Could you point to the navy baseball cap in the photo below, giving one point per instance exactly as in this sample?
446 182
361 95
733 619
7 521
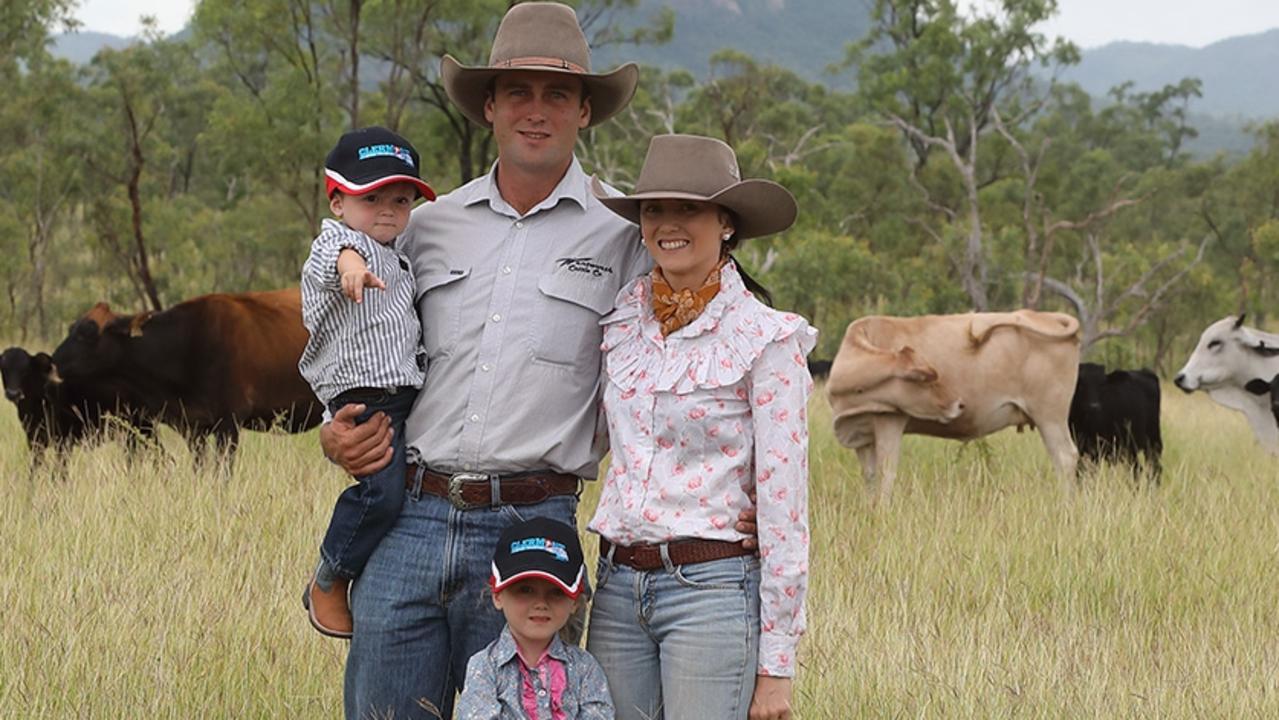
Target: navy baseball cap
539 548
370 157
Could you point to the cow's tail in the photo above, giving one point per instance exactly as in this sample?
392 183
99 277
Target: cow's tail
1052 325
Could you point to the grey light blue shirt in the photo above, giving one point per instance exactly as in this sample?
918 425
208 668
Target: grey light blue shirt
494 684
510 309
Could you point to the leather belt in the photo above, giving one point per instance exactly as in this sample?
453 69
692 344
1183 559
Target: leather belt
469 490
681 552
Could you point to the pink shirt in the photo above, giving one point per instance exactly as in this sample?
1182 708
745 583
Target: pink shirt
696 421
551 678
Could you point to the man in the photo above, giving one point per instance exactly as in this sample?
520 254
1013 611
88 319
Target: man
514 271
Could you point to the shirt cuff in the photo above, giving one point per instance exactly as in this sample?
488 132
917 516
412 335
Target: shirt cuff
777 654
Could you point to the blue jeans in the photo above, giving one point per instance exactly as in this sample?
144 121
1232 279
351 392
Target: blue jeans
679 643
422 607
366 510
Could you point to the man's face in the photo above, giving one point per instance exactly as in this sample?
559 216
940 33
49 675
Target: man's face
382 214
536 116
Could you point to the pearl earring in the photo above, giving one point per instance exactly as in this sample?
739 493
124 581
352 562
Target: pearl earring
725 237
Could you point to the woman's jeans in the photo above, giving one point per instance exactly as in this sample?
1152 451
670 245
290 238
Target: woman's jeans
678 643
366 510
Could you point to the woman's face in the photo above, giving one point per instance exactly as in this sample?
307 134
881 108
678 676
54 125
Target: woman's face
684 237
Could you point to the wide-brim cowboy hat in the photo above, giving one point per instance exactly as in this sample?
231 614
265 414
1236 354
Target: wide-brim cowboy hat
541 36
691 167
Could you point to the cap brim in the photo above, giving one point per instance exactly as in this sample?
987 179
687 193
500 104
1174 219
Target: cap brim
468 87
761 207
335 181
501 583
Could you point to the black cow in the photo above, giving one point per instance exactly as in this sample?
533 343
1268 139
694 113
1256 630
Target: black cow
55 414
1257 386
207 366
819 368
1115 416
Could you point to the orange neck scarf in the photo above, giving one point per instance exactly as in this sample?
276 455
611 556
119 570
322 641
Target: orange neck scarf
676 308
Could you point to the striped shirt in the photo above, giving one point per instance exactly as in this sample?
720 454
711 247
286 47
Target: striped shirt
374 343
512 337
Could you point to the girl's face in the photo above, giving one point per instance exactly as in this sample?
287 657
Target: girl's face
685 238
535 609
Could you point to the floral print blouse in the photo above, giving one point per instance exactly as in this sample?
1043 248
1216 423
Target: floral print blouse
699 419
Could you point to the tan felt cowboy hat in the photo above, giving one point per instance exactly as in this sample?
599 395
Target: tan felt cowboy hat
691 167
539 36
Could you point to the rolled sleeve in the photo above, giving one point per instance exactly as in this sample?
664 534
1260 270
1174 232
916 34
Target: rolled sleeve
321 266
780 386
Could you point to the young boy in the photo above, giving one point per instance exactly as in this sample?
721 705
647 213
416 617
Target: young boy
364 346
528 672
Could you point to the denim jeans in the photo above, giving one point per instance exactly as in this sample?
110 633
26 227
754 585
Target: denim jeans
679 643
365 511
423 606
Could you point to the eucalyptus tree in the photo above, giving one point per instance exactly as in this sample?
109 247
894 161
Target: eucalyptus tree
940 76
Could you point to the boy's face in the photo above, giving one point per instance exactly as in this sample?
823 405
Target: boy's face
382 214
535 609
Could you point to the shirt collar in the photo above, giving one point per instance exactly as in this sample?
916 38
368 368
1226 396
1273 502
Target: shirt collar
506 650
571 187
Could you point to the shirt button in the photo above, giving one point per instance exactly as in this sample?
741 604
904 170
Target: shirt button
506 269
519 224
541 692
475 418
496 317
486 367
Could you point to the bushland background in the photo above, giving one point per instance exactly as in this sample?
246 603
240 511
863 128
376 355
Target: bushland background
944 159
943 162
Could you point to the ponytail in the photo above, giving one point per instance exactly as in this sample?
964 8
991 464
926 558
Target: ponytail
751 284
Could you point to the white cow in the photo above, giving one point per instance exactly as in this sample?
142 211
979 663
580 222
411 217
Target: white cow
1227 359
1016 368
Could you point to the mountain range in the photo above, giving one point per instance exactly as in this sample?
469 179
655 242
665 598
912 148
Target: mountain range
1240 84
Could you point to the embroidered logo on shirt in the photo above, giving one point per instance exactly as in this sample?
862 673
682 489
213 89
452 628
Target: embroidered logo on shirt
544 544
584 265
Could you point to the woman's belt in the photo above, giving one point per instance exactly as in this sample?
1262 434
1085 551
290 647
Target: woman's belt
469 490
680 552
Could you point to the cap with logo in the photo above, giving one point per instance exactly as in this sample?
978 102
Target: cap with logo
539 548
368 158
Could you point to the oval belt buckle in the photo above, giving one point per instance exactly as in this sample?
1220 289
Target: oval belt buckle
456 481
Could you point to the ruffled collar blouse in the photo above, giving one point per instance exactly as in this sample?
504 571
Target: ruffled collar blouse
699 419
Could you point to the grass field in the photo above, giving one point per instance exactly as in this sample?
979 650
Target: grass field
152 591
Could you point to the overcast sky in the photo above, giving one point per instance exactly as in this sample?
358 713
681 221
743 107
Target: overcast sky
1087 22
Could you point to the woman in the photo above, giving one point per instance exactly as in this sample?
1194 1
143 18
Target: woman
706 398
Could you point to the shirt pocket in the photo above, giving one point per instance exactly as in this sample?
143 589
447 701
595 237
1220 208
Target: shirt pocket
440 305
565 330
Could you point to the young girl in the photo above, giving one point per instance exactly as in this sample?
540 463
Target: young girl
706 398
528 673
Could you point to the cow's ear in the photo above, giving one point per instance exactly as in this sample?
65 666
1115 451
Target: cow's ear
1264 350
1239 322
135 325
1257 386
42 361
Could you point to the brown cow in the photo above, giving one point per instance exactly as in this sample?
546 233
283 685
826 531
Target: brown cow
1014 368
206 366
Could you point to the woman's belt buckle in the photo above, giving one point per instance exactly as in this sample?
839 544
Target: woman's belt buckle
457 482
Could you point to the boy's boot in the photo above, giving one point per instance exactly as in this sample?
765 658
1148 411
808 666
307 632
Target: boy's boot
326 602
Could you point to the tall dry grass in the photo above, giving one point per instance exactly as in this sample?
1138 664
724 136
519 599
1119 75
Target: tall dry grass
149 590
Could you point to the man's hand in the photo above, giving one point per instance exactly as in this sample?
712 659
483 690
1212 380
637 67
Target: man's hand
772 698
360 449
746 525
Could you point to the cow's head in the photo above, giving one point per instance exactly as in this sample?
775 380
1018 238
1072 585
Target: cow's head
867 379
1228 353
25 375
95 342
